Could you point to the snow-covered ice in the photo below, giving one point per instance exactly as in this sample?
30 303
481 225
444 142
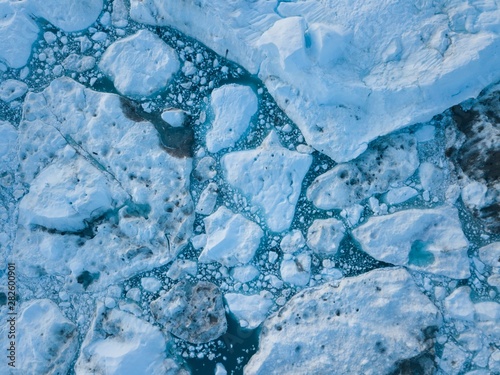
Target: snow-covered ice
272 179
11 89
319 329
319 62
430 240
140 64
120 343
324 236
296 270
47 340
249 310
231 238
233 107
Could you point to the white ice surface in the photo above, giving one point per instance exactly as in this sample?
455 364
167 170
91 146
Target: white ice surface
389 163
118 343
271 177
11 89
320 63
324 236
429 240
296 270
140 64
46 340
18 30
66 195
249 310
320 328
233 107
231 238
75 126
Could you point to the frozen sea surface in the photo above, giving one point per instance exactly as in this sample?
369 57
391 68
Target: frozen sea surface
218 187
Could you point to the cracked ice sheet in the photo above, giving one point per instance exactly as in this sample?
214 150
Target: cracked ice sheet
428 57
148 188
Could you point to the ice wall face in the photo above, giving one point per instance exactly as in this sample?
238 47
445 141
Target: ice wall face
322 65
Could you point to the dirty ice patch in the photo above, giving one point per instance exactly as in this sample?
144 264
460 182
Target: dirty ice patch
429 240
233 107
271 177
140 64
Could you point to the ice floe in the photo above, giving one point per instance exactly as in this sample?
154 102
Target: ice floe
272 179
140 64
429 240
233 107
231 238
319 328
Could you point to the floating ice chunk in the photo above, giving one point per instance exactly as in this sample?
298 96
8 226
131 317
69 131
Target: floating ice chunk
231 238
333 81
182 267
292 241
17 32
474 194
389 161
150 185
296 270
352 214
46 340
205 169
65 196
324 236
193 312
78 63
458 304
272 179
244 274
250 311
11 89
73 16
151 284
140 64
318 330
233 107
208 199
220 369
429 240
490 254
400 195
174 116
118 343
